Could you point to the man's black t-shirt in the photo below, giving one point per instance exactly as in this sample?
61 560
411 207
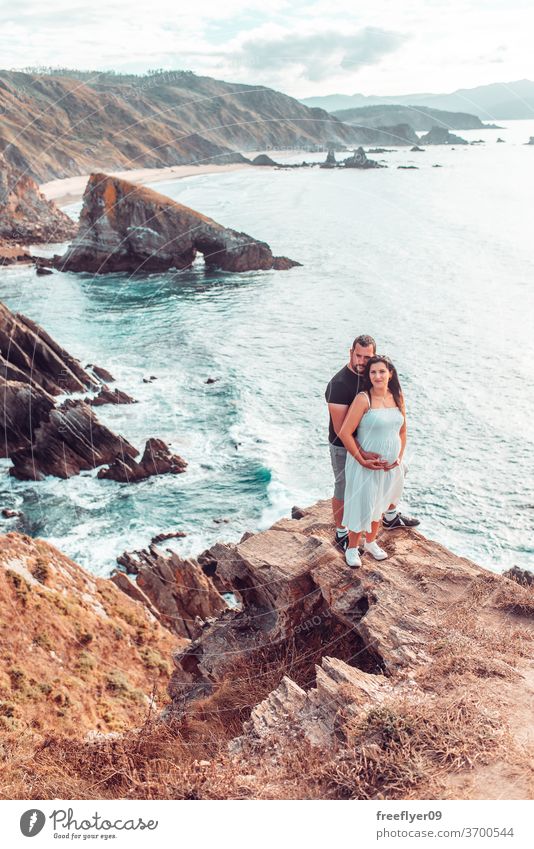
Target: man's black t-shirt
342 389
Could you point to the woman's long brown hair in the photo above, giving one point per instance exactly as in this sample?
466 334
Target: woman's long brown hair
393 384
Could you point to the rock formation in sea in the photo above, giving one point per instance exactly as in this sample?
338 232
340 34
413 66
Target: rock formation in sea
441 135
359 160
111 396
124 227
43 438
28 354
330 161
156 460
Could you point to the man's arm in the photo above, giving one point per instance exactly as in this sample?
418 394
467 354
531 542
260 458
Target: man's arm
338 413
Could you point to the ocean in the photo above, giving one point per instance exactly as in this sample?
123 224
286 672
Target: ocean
435 263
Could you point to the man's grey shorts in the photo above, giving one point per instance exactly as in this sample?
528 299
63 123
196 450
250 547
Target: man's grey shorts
338 455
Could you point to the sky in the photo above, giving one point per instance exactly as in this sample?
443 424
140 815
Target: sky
302 48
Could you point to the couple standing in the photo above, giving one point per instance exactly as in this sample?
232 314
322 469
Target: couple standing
367 436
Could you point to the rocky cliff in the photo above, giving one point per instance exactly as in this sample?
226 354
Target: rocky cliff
42 437
124 227
412 639
411 677
27 216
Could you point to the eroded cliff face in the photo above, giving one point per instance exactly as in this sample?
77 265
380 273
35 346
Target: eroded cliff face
124 227
76 654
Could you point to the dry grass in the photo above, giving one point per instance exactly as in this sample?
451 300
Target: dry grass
399 751
403 751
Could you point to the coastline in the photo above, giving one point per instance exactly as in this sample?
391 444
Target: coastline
68 190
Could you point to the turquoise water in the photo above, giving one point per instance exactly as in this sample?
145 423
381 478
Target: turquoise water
437 264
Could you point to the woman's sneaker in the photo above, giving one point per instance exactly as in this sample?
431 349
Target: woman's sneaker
352 558
374 550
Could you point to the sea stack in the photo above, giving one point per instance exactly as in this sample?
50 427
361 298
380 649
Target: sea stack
359 160
124 227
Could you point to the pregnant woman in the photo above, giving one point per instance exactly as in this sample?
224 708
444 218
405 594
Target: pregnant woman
377 419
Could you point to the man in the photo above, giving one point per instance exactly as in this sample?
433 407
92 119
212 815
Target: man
340 393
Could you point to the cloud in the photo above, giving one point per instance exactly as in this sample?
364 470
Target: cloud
319 55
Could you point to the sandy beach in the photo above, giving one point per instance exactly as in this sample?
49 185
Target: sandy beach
70 189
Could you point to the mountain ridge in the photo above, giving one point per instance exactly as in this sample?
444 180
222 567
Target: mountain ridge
510 100
56 126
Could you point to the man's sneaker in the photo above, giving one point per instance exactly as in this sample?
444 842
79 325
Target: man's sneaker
374 550
400 521
352 558
342 541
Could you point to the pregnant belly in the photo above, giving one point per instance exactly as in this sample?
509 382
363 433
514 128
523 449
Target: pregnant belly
388 449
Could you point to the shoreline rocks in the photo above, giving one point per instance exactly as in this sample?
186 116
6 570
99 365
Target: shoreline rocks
359 160
407 678
124 227
293 584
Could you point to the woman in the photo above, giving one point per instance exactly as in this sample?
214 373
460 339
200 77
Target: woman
377 417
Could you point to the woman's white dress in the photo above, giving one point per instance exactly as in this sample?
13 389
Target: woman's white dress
368 493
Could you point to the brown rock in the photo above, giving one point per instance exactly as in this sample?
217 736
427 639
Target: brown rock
68 439
156 460
12 253
359 160
124 227
77 654
178 589
291 710
111 396
42 439
163 537
7 513
30 355
102 373
25 214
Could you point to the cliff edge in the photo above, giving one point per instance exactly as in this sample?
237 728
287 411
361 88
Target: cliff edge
409 678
